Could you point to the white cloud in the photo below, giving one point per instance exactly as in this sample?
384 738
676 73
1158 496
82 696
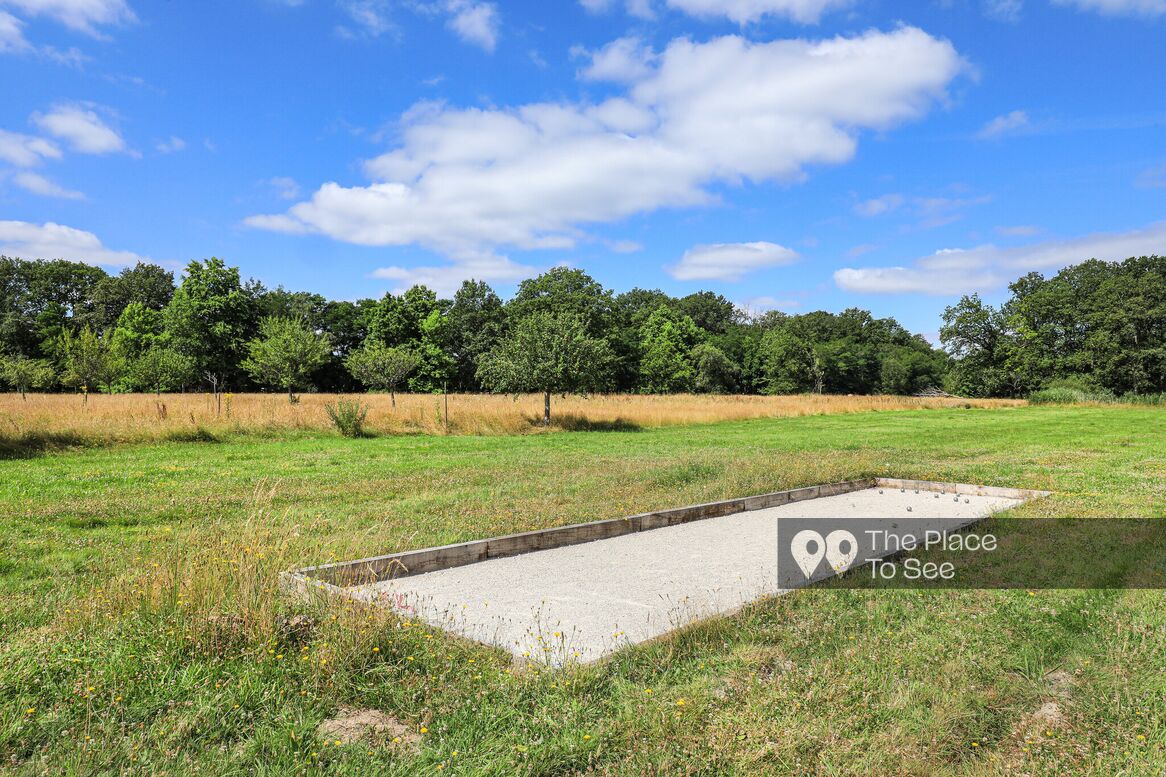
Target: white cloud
285 187
85 16
879 205
940 211
729 261
1004 125
81 128
623 61
171 145
38 184
56 241
26 150
12 40
468 182
748 11
955 271
445 280
1119 7
625 246
475 23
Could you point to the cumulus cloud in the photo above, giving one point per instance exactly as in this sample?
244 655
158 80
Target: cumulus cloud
38 184
1000 126
748 11
468 182
623 61
12 40
26 150
84 16
957 271
475 23
447 279
56 241
729 261
1119 7
80 127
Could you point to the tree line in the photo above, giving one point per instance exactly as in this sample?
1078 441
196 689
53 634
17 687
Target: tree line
66 324
1097 327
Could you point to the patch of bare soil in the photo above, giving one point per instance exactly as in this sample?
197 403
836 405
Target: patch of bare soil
352 725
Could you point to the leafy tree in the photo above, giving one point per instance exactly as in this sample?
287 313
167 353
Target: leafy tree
162 369
476 322
147 285
397 320
88 359
138 329
716 373
547 354
25 374
382 367
211 318
435 365
564 292
629 312
285 354
789 363
667 340
710 311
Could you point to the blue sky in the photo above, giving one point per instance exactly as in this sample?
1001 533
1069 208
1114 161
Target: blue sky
797 154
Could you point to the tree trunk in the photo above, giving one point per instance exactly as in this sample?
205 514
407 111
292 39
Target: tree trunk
23 398
393 397
290 397
546 408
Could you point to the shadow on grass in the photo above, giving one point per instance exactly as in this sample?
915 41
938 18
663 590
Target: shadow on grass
30 445
571 422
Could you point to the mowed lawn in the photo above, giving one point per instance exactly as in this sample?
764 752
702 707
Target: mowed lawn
141 630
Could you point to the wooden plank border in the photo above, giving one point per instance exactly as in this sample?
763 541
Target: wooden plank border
333 578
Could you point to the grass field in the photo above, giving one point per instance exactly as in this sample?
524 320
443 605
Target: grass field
54 421
140 631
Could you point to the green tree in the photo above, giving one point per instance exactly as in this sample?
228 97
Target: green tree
148 285
382 367
716 373
285 354
88 359
211 318
550 355
476 323
162 369
25 374
435 365
789 363
138 329
564 292
667 339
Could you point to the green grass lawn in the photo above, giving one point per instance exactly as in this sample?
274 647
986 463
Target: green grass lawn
139 625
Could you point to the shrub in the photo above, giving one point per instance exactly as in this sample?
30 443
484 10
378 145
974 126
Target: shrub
347 416
1057 396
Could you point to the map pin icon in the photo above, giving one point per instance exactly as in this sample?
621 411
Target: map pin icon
835 556
799 548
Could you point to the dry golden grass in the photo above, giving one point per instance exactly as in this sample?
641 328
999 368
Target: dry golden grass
66 419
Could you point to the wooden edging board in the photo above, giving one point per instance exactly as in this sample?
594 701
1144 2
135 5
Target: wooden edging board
340 575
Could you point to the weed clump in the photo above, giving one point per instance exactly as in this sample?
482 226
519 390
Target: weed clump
347 416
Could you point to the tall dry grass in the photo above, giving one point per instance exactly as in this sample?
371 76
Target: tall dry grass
64 419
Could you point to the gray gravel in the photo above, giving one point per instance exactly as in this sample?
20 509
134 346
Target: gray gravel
582 602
